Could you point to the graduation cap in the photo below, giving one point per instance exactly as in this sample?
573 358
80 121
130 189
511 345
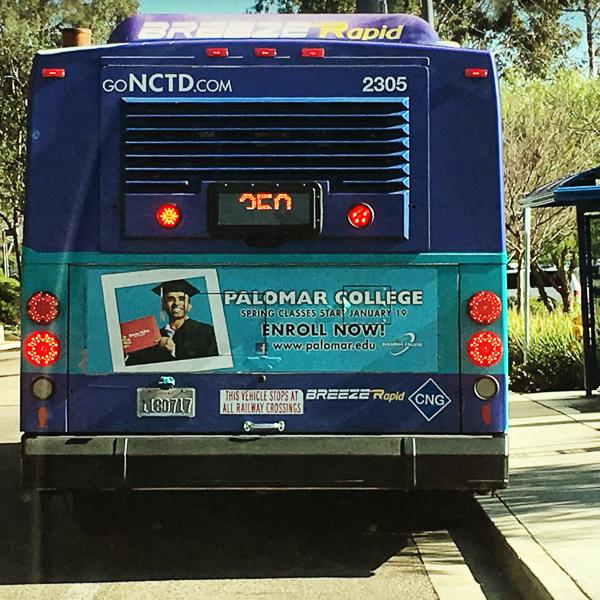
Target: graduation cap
177 285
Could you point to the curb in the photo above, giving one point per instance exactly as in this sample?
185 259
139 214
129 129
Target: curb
526 563
8 346
450 577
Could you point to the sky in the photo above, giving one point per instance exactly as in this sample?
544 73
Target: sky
240 6
195 6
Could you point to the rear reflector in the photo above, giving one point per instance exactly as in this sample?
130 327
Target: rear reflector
313 52
476 73
53 73
265 52
41 348
217 52
486 414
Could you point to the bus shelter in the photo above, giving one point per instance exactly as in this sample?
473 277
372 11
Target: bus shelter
581 191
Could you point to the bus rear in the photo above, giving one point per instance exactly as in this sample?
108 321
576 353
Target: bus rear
264 252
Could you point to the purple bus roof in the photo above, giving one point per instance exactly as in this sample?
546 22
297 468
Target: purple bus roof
389 28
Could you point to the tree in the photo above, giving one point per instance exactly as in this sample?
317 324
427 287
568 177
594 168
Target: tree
590 9
529 34
548 134
25 27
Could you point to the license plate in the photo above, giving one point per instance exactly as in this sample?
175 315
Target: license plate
156 402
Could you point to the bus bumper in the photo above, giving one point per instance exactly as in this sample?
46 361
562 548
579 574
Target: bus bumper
402 462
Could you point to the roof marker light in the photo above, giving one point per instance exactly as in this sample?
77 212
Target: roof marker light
313 52
265 52
476 73
360 216
168 215
53 73
217 52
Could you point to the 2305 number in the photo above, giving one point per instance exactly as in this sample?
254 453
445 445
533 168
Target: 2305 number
384 84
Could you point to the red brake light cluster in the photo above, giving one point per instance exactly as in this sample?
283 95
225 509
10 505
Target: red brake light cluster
360 216
168 215
484 307
42 308
485 348
42 348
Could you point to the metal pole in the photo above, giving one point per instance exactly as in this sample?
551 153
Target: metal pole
525 287
371 6
427 11
589 335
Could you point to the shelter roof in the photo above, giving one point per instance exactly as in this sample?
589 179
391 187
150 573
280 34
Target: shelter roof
582 190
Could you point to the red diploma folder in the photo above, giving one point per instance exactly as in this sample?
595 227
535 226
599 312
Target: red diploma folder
142 333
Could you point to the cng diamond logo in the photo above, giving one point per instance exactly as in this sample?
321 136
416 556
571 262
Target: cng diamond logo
430 400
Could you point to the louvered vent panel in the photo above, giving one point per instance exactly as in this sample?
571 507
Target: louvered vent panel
356 146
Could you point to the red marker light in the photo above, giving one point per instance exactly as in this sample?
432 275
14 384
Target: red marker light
42 308
41 348
217 52
360 216
484 307
53 73
476 73
265 52
313 52
485 348
168 215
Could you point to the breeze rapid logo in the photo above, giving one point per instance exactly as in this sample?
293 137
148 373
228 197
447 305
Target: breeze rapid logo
167 82
354 394
337 30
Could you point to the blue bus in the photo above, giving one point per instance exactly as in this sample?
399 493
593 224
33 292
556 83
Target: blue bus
264 252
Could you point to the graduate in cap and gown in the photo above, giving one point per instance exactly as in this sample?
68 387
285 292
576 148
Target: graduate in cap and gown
182 337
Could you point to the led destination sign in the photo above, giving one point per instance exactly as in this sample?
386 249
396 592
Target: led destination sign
286 209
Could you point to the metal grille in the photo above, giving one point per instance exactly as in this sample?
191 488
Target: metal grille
175 146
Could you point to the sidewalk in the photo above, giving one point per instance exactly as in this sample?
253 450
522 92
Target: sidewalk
549 517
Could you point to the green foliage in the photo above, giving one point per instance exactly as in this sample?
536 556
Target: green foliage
27 26
555 356
531 34
550 130
9 300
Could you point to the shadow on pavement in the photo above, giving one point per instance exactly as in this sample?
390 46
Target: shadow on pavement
193 535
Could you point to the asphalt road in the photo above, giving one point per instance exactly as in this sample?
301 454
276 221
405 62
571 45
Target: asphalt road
218 545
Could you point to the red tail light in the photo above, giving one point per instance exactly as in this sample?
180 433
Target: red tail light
484 307
42 308
360 216
168 215
485 348
41 348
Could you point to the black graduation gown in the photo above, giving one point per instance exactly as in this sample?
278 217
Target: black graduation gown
192 340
